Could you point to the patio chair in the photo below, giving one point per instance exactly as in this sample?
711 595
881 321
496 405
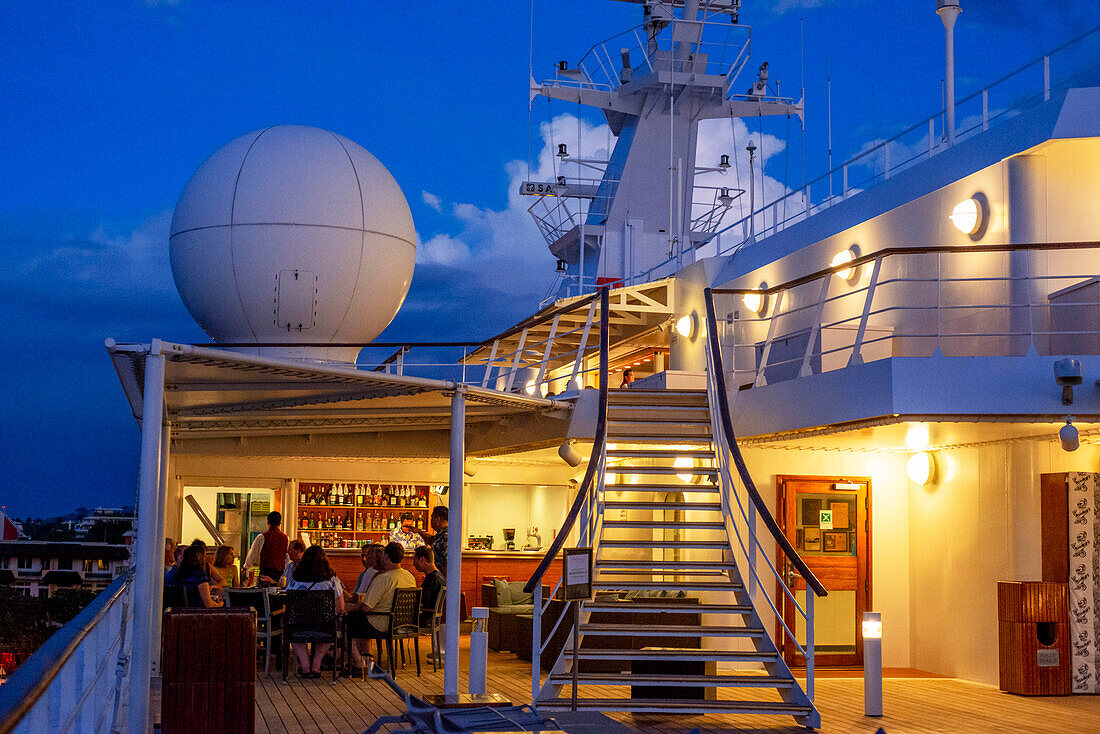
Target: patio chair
433 628
402 624
175 597
266 629
310 616
421 716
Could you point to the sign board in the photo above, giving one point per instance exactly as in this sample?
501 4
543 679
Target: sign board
577 573
825 521
540 188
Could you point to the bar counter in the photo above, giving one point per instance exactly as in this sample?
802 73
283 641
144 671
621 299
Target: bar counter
478 566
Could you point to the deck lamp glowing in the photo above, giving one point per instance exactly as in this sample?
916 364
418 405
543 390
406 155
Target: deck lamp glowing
921 467
686 325
967 216
872 664
841 258
757 303
685 462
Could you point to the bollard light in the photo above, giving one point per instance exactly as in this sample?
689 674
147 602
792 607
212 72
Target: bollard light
479 649
872 664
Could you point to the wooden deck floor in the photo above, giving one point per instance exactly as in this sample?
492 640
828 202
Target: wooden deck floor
913 706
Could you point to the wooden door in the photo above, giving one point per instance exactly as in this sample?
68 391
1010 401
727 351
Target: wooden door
828 521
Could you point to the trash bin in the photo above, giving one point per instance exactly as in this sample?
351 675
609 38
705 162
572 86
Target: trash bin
1033 622
208 671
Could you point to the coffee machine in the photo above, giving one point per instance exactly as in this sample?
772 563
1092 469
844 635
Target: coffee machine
509 538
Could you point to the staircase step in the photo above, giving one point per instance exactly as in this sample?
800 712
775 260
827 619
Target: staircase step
694 681
645 421
697 471
649 414
617 435
611 585
662 544
607 574
655 605
659 453
628 505
703 488
666 524
674 654
652 565
659 397
670 630
672 706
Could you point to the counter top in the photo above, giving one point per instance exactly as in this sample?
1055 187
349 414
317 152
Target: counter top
504 553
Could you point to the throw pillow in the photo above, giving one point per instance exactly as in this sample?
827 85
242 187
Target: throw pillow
518 595
504 594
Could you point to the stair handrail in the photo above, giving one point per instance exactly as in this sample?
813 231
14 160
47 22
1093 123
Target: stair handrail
719 378
594 459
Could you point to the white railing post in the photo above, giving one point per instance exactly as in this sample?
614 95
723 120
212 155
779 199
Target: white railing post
515 362
546 354
886 160
536 644
815 327
985 109
489 364
857 348
760 380
809 643
844 182
931 136
583 344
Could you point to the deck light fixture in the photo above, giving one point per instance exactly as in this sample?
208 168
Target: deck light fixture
686 326
724 162
757 303
1070 438
967 216
569 454
921 468
841 258
725 198
561 266
872 664
563 151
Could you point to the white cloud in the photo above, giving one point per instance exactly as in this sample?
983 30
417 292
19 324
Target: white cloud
443 250
432 200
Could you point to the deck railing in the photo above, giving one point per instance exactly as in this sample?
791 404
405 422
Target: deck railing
77 680
955 300
741 524
584 514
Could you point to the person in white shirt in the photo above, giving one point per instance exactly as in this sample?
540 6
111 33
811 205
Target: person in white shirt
371 622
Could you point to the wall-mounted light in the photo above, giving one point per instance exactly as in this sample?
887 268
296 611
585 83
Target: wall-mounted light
569 454
917 438
563 151
921 468
1071 440
843 257
685 462
724 162
686 326
756 302
968 216
469 467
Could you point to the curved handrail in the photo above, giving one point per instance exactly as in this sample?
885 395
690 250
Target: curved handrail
731 439
593 459
30 681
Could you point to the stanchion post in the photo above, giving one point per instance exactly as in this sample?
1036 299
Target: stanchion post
872 664
479 649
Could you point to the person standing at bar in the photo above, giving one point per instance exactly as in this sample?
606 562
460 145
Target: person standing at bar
438 539
406 534
269 549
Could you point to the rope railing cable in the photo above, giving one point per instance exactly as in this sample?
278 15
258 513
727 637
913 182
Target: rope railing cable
593 460
731 439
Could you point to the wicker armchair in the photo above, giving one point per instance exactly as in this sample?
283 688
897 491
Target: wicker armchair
311 617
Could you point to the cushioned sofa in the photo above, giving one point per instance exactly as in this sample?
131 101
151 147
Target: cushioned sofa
506 600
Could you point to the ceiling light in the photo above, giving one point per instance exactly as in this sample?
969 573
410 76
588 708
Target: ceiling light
967 216
921 467
1069 437
531 387
685 326
917 437
841 258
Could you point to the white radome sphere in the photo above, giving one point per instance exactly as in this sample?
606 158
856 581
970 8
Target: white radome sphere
293 235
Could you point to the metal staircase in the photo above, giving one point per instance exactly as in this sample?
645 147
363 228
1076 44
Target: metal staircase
675 622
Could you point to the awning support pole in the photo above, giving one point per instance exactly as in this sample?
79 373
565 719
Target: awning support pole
455 533
162 505
147 559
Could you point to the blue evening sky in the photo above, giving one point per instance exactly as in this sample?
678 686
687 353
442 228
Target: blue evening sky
109 107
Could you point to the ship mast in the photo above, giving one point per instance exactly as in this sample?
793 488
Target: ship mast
643 216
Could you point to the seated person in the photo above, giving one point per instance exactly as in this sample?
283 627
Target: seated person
224 571
313 573
370 556
424 562
193 576
373 620
294 551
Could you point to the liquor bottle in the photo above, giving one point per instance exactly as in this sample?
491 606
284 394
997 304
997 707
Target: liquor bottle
347 520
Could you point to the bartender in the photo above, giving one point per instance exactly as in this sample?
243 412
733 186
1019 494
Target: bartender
406 534
438 539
